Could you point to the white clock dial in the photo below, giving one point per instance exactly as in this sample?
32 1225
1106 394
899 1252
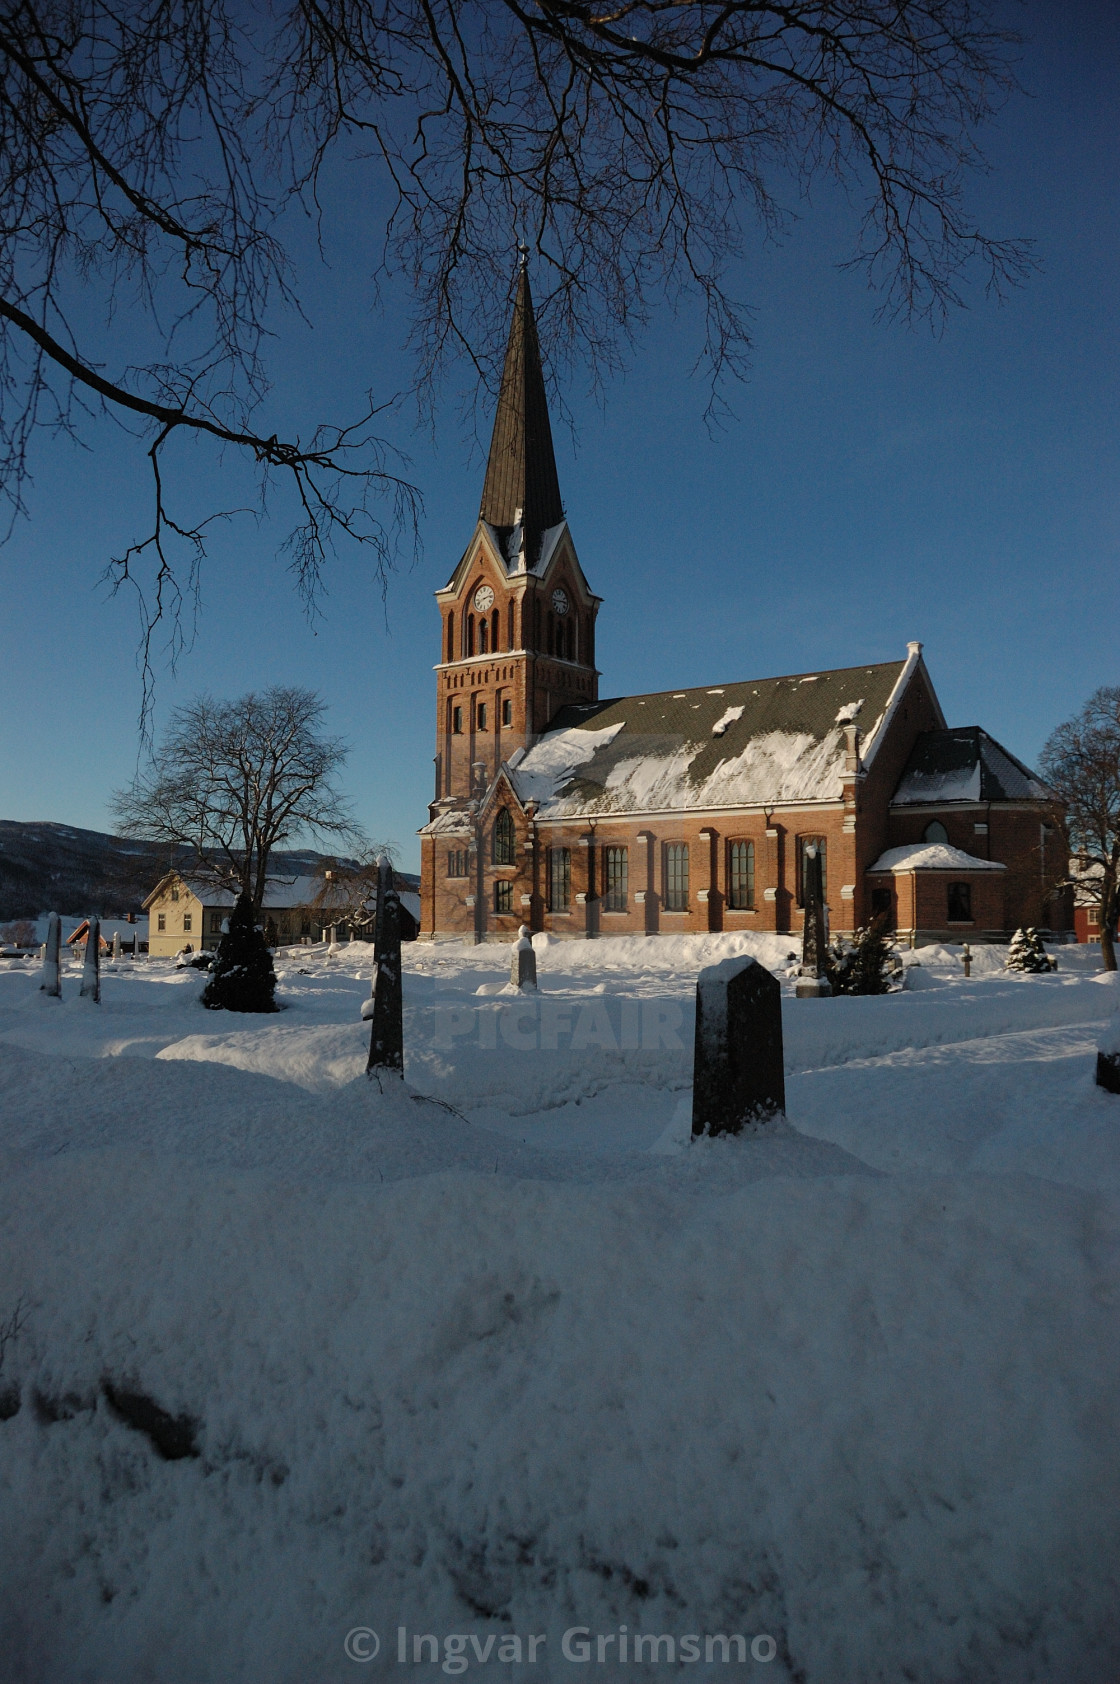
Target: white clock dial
560 601
483 598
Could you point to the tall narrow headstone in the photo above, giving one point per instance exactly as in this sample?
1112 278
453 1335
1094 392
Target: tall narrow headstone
812 978
52 958
116 945
91 970
738 1077
385 1008
523 960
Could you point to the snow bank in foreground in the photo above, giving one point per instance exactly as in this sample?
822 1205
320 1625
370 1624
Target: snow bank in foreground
873 1418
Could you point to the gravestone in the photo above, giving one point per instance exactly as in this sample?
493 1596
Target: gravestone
385 1007
1108 1058
812 978
91 970
52 958
116 945
738 1077
523 960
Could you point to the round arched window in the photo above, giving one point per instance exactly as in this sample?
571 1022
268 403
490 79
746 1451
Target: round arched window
935 832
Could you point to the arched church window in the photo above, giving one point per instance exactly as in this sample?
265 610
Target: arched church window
740 877
505 839
935 832
483 636
451 636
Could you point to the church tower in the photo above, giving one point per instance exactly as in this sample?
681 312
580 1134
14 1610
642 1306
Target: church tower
518 621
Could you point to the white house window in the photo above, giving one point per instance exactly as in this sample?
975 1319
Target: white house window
188 923
161 920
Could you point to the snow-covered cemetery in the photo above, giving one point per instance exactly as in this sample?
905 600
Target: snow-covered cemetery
500 1352
559 842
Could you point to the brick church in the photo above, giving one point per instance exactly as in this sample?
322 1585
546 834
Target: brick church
691 810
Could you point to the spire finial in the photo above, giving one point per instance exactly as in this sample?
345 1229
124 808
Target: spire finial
522 257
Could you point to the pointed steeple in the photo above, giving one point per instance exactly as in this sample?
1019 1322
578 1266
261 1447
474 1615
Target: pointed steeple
521 482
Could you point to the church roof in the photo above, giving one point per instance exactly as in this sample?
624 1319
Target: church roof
521 486
760 742
964 765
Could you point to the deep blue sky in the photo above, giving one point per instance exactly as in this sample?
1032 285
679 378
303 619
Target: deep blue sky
878 484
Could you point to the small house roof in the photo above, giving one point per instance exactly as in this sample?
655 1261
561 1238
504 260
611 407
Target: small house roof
932 856
280 893
965 764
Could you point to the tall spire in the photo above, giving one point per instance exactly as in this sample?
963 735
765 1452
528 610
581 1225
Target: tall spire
521 477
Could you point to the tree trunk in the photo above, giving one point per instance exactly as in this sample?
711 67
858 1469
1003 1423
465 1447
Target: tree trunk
1108 921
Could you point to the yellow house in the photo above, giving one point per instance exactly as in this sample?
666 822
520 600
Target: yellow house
187 914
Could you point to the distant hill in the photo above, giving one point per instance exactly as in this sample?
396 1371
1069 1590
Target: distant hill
57 868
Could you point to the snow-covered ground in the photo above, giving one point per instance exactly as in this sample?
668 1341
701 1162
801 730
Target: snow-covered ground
501 1354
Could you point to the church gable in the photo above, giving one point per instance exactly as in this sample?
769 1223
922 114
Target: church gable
763 742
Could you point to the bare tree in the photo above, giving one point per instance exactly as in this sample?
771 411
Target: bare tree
1082 761
148 154
232 781
346 890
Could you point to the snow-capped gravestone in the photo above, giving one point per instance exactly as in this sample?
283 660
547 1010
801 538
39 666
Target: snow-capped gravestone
738 1078
1108 1058
116 945
385 1007
242 978
91 969
523 960
812 978
51 984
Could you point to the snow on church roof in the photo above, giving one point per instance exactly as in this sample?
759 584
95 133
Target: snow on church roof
764 741
964 765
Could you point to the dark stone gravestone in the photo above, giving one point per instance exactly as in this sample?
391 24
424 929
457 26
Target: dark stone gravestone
385 1007
91 970
812 979
523 961
738 1079
52 958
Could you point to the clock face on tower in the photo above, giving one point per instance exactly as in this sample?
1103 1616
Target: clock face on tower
560 601
483 598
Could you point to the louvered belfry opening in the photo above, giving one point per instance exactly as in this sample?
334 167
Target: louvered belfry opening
521 480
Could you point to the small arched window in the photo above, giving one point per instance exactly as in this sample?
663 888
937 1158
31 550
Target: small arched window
935 832
483 636
451 636
505 838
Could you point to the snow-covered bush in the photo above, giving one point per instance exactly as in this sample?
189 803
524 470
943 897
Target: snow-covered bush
866 964
200 961
242 978
1026 953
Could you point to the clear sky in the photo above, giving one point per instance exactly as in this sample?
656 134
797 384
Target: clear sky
876 484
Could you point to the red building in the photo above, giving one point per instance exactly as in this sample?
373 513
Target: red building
691 810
